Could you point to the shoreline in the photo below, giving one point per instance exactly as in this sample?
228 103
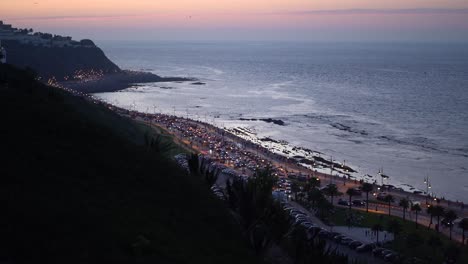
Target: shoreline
303 159
257 144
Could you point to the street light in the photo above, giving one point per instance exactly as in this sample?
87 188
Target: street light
428 186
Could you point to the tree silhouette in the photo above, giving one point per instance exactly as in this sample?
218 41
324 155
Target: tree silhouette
416 208
367 188
434 242
452 253
438 211
295 190
351 192
394 227
377 228
430 212
464 226
332 191
389 200
450 215
313 196
404 203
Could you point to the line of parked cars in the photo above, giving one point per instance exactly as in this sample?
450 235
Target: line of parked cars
299 217
218 192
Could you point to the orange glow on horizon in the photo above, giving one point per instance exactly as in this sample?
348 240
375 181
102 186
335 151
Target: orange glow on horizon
240 14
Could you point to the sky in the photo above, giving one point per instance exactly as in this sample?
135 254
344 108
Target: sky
234 20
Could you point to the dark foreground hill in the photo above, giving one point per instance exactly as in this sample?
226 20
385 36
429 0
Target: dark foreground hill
76 187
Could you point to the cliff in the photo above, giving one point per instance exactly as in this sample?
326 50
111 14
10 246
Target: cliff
62 63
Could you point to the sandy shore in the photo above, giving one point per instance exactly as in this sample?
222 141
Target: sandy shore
117 81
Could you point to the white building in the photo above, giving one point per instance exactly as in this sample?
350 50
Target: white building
3 54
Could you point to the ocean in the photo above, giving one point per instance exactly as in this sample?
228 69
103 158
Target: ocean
400 107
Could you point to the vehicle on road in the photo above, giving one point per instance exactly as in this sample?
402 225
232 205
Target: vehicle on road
365 247
359 203
343 202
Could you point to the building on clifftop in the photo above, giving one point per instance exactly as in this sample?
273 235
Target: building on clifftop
3 55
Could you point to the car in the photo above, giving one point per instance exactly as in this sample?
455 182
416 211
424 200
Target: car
385 252
377 251
357 191
343 202
354 244
322 233
381 196
446 222
359 203
338 238
392 257
300 221
345 241
365 247
307 224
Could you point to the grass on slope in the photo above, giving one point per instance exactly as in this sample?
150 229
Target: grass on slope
73 190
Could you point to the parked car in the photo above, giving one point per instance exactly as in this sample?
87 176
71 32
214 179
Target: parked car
378 251
365 247
346 241
338 238
354 244
343 202
385 252
392 257
323 233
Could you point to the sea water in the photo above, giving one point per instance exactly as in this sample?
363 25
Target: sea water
400 107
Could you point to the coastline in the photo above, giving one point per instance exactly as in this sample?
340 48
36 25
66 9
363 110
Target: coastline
118 81
302 159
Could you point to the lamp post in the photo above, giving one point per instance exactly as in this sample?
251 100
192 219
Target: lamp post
428 186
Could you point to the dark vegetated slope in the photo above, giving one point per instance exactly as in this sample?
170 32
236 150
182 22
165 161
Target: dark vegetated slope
58 62
75 191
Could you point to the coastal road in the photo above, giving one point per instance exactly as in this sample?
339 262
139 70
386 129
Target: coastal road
342 183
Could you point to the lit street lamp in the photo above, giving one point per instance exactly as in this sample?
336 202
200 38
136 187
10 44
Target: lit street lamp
428 186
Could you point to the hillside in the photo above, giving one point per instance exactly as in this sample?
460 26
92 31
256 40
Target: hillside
78 187
59 62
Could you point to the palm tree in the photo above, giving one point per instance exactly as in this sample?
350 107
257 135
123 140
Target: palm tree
332 191
464 226
313 196
295 189
416 208
430 211
450 215
389 200
377 228
350 192
394 227
438 211
312 183
367 188
404 203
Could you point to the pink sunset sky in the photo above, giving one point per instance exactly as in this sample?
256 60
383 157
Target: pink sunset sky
297 20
